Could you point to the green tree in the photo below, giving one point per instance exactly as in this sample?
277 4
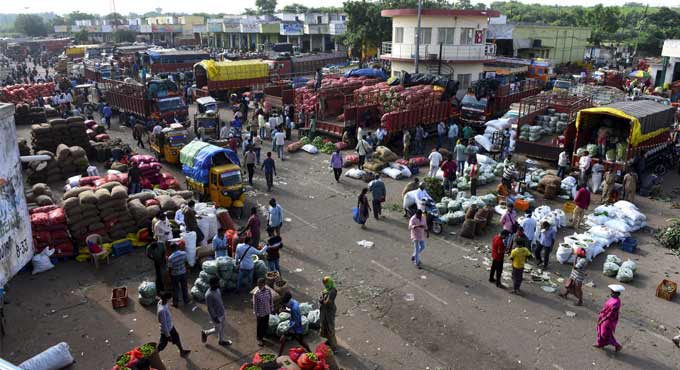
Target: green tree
294 8
463 4
82 37
79 16
30 25
115 18
265 6
366 28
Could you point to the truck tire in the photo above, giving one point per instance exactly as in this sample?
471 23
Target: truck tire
660 169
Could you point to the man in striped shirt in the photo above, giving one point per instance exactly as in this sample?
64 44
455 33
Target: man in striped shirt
178 273
263 306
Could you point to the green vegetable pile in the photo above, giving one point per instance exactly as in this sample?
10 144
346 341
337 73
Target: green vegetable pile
252 367
434 187
669 237
327 148
305 140
267 357
318 142
123 360
147 349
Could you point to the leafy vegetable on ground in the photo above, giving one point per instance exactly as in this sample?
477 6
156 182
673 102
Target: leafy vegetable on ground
434 187
669 237
147 349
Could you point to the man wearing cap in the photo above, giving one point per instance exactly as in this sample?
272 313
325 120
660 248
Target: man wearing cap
574 284
609 317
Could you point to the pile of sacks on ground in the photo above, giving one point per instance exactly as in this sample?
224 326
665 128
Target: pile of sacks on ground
70 131
150 169
98 210
501 208
225 269
147 204
616 267
486 169
50 229
39 195
24 114
452 209
67 161
608 225
555 217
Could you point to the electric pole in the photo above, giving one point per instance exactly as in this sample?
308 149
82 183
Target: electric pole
420 6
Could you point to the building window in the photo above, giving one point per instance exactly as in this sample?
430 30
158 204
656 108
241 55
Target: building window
467 36
425 36
464 80
398 35
319 19
446 36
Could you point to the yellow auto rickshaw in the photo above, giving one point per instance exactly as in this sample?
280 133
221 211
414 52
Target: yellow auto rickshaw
168 144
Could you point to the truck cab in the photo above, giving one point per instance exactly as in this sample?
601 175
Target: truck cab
207 117
167 145
168 103
225 186
473 109
561 86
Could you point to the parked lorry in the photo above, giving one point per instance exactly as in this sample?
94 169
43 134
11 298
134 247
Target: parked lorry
279 93
158 100
220 79
634 130
172 60
481 104
213 174
207 122
287 66
556 116
167 145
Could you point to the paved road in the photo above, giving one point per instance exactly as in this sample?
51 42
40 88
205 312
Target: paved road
390 315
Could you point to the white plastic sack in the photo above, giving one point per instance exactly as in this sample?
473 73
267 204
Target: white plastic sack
613 259
625 275
610 269
564 252
54 358
309 148
190 246
92 171
618 225
484 142
500 124
629 265
623 204
73 181
204 225
489 130
483 159
355 173
213 226
595 182
392 172
41 261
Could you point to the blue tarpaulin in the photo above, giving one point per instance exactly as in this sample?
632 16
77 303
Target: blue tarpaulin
368 72
205 158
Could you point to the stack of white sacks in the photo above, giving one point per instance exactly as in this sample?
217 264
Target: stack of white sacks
607 225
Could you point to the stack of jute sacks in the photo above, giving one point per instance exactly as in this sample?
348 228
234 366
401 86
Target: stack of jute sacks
101 210
146 205
70 131
67 162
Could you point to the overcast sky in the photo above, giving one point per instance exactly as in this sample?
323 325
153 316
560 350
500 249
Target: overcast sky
215 6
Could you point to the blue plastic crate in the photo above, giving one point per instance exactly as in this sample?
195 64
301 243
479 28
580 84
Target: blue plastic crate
629 245
121 248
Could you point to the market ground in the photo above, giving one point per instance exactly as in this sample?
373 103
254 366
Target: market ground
390 315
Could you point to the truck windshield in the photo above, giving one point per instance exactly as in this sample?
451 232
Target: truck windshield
230 178
562 84
469 101
210 107
170 103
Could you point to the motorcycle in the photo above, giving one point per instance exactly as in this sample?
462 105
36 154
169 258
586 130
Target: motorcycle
432 217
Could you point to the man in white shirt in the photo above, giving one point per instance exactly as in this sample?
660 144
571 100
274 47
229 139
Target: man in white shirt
422 196
161 229
562 164
584 164
435 161
224 132
279 140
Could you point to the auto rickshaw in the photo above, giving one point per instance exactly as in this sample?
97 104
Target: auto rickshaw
167 145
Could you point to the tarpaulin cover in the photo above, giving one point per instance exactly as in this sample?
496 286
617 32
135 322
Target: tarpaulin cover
187 154
238 70
368 72
202 160
648 119
450 86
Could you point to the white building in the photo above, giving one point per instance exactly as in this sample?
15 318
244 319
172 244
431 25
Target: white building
669 72
452 42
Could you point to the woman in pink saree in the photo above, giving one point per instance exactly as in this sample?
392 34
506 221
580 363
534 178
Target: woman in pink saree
609 317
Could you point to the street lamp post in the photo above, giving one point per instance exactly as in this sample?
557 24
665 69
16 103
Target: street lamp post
420 6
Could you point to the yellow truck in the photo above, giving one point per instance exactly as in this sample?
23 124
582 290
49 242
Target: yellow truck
168 144
213 174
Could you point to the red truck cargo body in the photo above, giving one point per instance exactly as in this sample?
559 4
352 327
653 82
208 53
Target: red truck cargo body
397 121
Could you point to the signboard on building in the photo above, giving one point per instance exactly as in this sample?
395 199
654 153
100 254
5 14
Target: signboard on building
200 28
60 29
16 240
166 28
107 28
231 28
214 27
291 29
145 28
250 28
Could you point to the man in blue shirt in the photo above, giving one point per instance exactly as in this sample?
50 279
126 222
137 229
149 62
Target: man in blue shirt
452 136
545 242
107 112
219 243
177 262
275 218
295 323
244 261
269 168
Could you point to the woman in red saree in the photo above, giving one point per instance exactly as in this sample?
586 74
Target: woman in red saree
609 317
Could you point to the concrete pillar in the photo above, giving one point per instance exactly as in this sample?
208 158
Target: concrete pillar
323 43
